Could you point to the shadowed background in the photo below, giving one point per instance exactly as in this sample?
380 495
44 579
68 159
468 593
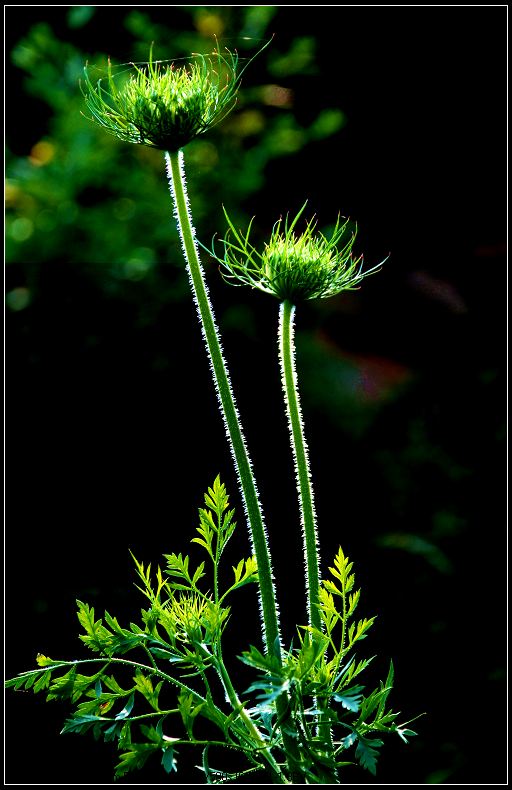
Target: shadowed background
392 116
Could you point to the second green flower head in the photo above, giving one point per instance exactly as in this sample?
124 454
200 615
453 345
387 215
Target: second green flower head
292 266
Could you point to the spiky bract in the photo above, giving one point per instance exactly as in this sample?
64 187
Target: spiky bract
165 106
294 267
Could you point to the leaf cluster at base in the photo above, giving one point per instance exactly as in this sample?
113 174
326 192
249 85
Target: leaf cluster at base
148 684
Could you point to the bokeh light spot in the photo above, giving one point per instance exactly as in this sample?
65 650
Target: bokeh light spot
21 229
18 299
208 24
12 192
42 153
247 123
277 96
139 264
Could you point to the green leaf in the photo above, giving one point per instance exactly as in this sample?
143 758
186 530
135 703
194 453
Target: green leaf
178 567
311 650
367 753
152 733
64 687
341 571
111 683
160 652
328 611
135 758
205 541
72 685
144 575
385 689
270 688
189 710
35 679
351 670
127 708
121 640
369 705
358 632
198 574
24 680
44 661
217 498
405 732
97 637
376 702
351 698
81 723
43 681
116 730
145 686
254 658
244 575
177 564
349 740
353 600
238 570
169 760
331 587
96 706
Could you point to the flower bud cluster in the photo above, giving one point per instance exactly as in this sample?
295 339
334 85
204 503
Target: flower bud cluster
165 107
295 267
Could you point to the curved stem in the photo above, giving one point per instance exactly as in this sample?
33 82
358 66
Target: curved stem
251 727
227 404
300 454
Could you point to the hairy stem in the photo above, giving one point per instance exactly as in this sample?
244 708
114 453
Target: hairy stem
268 604
227 403
300 454
304 489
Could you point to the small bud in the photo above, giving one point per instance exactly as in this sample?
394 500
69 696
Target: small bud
165 107
294 267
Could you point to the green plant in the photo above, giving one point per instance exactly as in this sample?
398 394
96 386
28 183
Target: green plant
303 714
295 268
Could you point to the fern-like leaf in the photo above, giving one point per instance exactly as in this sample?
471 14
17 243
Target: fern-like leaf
367 753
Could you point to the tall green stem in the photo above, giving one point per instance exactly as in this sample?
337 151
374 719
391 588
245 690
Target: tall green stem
306 500
300 454
268 604
227 403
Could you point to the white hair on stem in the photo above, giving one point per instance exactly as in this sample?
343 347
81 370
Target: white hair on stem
298 442
223 388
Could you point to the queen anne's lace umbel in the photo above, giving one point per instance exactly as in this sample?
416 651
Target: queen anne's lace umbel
294 267
165 106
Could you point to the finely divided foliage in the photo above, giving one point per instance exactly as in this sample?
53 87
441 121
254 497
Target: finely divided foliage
149 703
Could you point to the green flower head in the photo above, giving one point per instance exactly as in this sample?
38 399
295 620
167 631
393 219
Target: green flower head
291 266
167 106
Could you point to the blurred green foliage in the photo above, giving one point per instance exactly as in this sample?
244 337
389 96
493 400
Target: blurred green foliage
81 196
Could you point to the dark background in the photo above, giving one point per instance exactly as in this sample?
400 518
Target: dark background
393 116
